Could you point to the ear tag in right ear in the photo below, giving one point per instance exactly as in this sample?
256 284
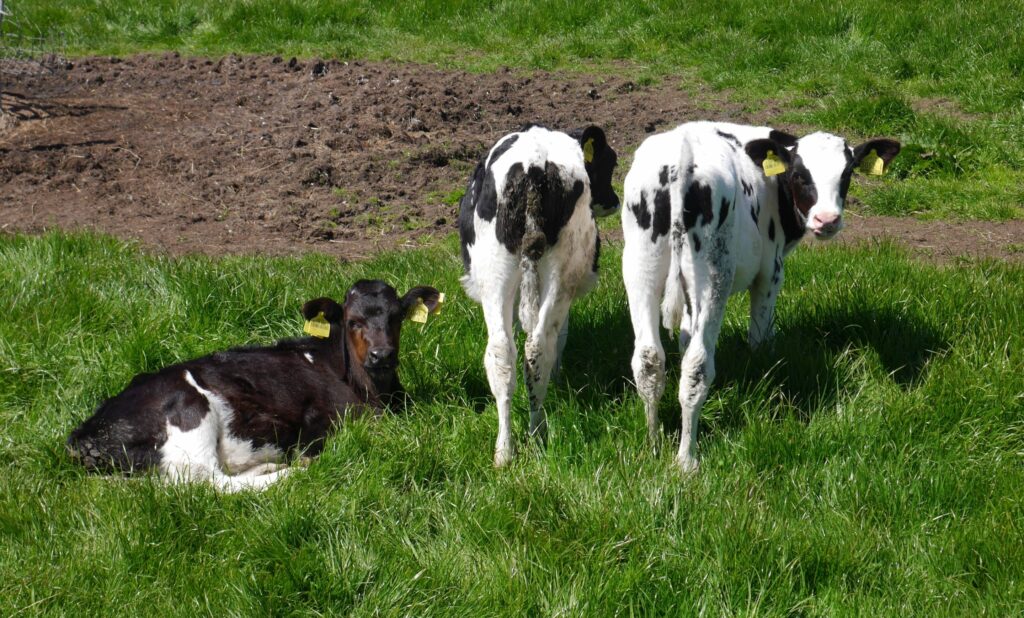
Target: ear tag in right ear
418 312
773 166
588 150
318 326
873 164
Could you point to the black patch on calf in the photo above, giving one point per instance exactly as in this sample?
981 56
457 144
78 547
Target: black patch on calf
748 189
730 138
597 252
723 212
467 208
501 148
511 223
792 229
691 168
663 176
643 215
696 244
844 180
771 229
662 213
556 205
697 203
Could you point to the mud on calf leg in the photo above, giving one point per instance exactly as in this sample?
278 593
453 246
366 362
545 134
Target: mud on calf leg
698 373
536 384
649 374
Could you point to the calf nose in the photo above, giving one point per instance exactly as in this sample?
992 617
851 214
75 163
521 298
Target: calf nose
381 358
827 223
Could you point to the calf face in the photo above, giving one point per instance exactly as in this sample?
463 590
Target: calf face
600 161
372 317
817 177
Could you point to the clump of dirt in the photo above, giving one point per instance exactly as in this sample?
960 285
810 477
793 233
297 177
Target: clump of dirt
273 155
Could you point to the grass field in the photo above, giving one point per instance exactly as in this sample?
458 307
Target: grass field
870 465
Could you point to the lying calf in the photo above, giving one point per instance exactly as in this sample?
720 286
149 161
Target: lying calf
232 417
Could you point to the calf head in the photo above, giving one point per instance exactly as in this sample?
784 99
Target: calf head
371 323
818 171
600 161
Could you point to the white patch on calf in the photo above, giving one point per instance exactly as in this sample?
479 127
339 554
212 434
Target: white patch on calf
309 357
212 444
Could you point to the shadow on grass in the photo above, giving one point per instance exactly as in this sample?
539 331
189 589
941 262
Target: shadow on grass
815 357
810 363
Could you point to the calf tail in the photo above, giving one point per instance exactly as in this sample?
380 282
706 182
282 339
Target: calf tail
675 305
534 246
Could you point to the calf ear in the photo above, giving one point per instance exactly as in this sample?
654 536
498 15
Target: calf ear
592 141
332 311
886 149
783 138
758 150
427 294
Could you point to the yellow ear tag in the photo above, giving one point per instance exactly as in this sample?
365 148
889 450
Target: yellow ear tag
420 313
873 164
318 326
588 150
772 165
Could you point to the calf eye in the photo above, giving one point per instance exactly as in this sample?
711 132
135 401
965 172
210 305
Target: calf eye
353 325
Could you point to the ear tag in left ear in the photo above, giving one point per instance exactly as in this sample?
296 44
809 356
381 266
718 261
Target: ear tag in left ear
318 326
873 164
772 164
588 150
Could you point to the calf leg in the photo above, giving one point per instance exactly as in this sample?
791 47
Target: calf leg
698 368
499 362
643 271
763 295
539 358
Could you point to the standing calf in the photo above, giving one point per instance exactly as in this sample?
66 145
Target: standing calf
231 418
527 227
703 222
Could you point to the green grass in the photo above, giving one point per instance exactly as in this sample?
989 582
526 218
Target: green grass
870 464
945 78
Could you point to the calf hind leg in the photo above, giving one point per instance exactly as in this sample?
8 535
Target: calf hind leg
541 350
499 362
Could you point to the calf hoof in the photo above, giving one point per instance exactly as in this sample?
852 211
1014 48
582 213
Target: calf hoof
687 464
503 457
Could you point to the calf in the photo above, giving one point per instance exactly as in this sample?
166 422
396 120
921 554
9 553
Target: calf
705 221
232 417
527 227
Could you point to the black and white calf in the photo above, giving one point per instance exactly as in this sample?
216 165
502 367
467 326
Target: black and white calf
527 228
703 221
232 418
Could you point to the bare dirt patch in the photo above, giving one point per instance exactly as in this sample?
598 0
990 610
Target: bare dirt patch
272 155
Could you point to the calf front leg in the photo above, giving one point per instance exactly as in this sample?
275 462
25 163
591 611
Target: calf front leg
763 296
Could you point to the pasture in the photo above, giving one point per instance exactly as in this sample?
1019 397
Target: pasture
870 463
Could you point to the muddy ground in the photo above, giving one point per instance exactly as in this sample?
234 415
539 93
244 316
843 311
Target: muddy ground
274 155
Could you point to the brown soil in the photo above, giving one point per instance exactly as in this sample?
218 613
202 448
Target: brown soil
260 154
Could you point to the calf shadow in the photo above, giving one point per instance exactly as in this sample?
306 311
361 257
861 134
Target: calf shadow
810 362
